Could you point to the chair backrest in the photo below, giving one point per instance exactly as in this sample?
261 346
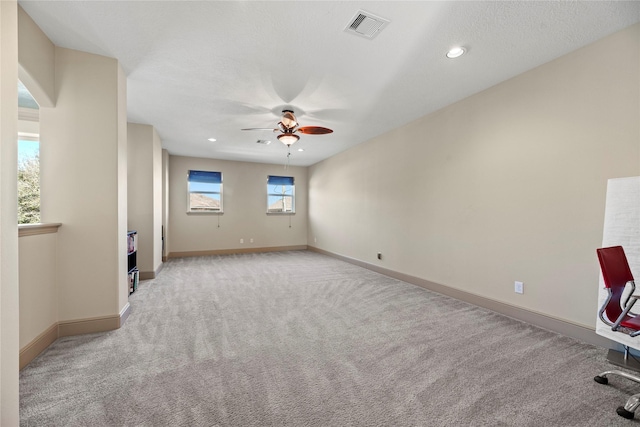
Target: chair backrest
616 273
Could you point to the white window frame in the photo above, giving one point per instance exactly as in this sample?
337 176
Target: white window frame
190 191
270 179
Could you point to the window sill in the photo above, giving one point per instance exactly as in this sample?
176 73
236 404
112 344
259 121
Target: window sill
35 229
281 213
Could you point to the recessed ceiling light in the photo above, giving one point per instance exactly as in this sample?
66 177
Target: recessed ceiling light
211 139
300 149
456 52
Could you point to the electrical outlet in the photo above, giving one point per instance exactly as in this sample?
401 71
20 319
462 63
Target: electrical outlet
251 240
315 240
519 287
241 240
379 255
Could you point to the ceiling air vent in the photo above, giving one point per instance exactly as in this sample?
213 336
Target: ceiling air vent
365 24
263 141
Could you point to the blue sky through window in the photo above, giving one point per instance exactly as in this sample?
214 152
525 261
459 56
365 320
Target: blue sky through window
204 187
27 149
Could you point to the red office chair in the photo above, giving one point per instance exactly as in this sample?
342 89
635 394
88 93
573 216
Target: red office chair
616 313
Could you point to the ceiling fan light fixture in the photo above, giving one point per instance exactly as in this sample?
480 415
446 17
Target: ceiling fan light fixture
289 120
288 139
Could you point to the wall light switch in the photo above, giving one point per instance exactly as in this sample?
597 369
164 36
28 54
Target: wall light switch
519 287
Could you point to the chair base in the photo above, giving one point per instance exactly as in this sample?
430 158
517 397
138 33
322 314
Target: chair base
624 413
628 410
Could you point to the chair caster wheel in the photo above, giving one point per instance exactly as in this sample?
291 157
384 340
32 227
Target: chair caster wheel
601 380
624 413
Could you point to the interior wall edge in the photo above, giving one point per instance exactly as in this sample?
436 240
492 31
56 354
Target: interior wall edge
9 266
124 314
563 327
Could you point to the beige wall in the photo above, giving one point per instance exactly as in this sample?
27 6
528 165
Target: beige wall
83 183
9 317
145 194
37 260
165 202
92 207
38 290
506 185
245 206
37 60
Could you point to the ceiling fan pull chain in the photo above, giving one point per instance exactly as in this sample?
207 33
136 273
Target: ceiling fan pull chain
288 156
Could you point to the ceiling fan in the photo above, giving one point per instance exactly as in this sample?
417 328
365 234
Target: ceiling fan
288 126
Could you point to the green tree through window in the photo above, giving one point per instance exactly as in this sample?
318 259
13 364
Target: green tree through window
28 184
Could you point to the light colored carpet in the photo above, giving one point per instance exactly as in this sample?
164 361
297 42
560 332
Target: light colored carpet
302 339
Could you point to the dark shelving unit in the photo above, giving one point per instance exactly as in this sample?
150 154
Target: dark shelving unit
133 275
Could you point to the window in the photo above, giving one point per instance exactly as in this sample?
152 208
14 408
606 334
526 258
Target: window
280 194
205 191
28 157
28 181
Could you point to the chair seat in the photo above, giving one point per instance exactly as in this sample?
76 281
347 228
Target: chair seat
617 277
631 323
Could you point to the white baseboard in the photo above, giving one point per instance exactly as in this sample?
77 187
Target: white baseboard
150 275
237 251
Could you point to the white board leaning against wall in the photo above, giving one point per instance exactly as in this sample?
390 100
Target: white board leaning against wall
621 228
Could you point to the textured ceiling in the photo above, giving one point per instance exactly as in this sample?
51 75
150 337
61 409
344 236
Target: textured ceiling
201 69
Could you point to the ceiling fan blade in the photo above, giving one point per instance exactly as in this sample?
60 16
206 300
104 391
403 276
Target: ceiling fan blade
269 129
314 130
